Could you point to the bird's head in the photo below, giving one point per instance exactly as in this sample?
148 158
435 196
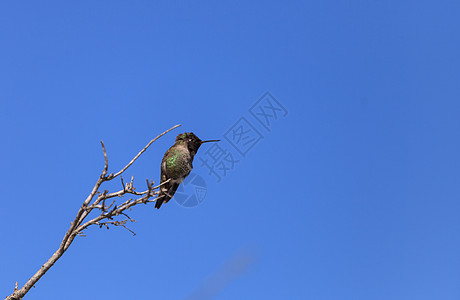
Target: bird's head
192 141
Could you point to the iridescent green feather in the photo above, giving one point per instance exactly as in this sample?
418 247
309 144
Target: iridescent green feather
171 161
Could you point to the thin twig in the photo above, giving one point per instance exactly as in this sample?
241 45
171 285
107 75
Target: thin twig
142 151
106 161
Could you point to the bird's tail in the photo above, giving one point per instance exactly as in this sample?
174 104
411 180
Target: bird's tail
166 193
160 201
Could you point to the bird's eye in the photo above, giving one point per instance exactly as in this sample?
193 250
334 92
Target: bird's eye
189 140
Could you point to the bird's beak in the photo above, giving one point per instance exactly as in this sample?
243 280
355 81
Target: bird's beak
208 141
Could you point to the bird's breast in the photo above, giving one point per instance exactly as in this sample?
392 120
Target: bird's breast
177 163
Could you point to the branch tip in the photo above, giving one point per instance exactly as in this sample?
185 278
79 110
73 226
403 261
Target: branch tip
143 150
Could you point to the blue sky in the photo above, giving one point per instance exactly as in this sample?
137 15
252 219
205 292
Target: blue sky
353 194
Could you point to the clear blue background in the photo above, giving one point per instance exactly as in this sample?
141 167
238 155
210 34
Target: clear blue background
353 195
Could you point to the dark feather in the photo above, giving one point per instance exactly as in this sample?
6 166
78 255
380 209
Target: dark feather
166 193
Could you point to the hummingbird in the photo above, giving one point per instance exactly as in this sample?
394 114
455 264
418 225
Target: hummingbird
177 164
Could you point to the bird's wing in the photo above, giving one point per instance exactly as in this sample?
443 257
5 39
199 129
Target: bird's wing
167 190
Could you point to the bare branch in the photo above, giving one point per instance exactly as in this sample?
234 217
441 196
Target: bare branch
115 223
122 183
76 227
106 161
125 227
